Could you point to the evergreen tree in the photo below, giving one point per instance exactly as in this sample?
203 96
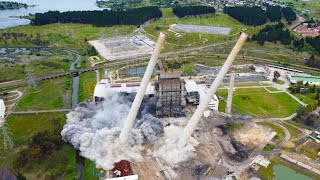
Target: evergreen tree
182 11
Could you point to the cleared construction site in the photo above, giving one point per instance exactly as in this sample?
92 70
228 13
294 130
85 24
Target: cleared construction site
200 29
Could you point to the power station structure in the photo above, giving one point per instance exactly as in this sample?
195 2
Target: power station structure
170 95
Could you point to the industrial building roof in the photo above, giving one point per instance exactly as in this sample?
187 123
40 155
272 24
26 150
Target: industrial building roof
102 88
203 89
2 108
191 86
306 78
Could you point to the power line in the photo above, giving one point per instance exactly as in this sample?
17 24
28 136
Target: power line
7 142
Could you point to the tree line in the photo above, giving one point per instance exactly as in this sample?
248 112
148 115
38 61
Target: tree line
275 13
273 33
303 114
247 15
22 38
12 5
314 42
257 16
103 18
182 11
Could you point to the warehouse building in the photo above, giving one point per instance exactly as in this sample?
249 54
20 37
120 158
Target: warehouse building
101 89
304 79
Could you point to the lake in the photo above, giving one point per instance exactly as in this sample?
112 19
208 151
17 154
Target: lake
282 172
42 6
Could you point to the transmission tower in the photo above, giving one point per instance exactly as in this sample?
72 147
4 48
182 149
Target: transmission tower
7 142
30 80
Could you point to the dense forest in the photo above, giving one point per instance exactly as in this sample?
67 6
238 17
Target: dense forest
247 15
274 13
273 33
257 16
11 5
314 42
289 14
99 18
182 11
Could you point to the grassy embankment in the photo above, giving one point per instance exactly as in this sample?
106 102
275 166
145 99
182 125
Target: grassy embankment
259 103
52 94
22 127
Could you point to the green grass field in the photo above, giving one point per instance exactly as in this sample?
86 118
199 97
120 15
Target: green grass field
294 132
86 86
88 171
41 64
280 82
259 103
186 40
52 94
22 128
61 34
307 98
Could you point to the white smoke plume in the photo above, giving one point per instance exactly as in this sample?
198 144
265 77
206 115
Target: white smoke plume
94 131
167 147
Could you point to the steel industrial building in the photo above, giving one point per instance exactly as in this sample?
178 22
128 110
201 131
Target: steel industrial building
170 94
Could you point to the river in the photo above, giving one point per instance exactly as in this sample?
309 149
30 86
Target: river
42 6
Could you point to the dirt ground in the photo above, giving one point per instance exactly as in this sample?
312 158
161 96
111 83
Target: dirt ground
252 135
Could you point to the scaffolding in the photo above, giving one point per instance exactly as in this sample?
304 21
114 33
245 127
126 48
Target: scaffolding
170 95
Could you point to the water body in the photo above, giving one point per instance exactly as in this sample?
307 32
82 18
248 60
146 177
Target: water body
282 172
43 6
139 71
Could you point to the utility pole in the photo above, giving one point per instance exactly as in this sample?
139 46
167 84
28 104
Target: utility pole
30 80
7 142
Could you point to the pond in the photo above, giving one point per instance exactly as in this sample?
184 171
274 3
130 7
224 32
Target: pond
282 172
42 6
138 71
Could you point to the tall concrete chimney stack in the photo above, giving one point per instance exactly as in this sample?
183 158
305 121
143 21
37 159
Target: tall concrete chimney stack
191 126
230 94
125 132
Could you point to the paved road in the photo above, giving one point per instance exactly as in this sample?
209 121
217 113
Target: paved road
296 23
41 111
284 141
